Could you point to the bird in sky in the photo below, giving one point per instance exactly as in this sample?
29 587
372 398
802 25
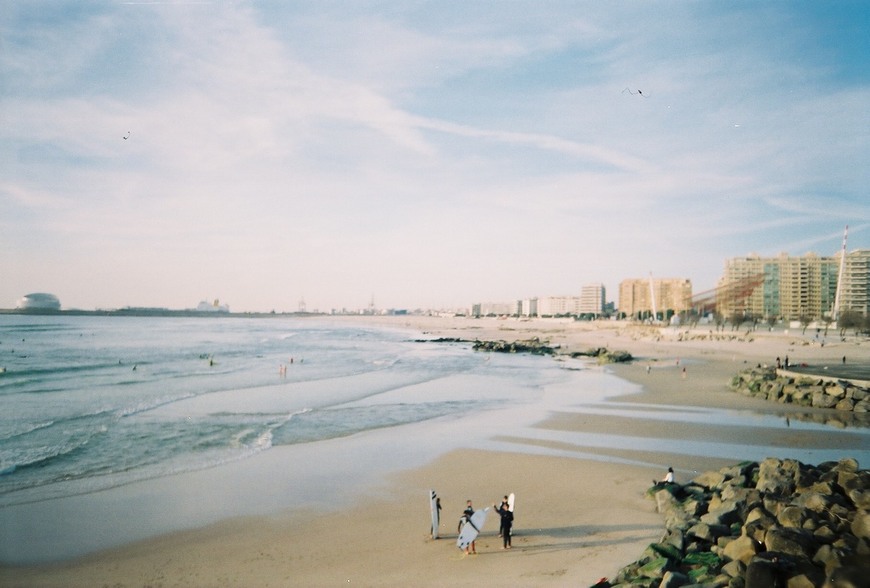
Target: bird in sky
640 92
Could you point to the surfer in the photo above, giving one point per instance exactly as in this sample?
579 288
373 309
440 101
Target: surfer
466 516
435 512
507 521
465 519
504 504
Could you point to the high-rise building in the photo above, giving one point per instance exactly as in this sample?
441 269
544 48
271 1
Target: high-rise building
592 299
789 287
640 298
855 285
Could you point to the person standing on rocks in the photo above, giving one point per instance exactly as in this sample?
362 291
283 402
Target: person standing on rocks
668 479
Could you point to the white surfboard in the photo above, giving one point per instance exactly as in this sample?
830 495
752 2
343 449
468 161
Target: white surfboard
472 528
511 501
433 508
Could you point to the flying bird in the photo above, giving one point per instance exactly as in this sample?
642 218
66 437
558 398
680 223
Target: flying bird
127 136
638 92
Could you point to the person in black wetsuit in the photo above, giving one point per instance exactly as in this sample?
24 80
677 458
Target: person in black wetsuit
504 504
507 521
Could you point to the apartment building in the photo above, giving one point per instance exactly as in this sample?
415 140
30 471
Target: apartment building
640 297
855 285
592 300
787 287
558 306
495 309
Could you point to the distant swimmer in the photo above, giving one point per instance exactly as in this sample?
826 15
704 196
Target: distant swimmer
633 93
127 136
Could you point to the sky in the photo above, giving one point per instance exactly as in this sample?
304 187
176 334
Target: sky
420 154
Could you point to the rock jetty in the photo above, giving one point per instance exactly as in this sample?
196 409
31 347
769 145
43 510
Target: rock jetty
537 346
604 355
760 525
534 346
816 392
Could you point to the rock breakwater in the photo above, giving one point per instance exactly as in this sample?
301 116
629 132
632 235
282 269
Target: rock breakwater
760 525
604 355
537 346
773 385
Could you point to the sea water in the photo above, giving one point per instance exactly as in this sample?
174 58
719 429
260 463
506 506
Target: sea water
119 428
95 402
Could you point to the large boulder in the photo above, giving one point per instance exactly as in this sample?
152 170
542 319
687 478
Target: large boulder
790 541
742 549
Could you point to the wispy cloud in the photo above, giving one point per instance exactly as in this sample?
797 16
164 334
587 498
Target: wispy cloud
429 155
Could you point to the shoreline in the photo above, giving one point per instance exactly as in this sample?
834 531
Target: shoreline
578 519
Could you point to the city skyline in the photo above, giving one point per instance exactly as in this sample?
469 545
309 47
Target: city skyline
159 154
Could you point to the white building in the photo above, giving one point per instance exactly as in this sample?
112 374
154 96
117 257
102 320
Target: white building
855 283
549 306
494 309
529 307
592 299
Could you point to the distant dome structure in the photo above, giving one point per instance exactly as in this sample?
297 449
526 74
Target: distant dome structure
38 301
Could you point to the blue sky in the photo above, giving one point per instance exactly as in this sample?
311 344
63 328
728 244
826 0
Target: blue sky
426 154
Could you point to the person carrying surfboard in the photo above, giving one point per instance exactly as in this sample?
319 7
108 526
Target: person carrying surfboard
507 521
504 504
467 520
466 516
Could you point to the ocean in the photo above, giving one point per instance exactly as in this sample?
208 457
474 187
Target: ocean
95 402
117 428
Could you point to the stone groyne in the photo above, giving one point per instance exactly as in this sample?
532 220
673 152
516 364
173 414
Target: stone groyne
536 346
760 525
785 387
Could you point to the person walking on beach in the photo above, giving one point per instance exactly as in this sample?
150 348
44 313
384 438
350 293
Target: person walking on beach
507 521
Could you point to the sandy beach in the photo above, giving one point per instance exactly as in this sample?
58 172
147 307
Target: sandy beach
577 519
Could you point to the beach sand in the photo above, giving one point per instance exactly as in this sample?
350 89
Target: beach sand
577 519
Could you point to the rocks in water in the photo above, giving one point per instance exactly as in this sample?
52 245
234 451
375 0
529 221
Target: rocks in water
604 355
534 346
761 525
537 346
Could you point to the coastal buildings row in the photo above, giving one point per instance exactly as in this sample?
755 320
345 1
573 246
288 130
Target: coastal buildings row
590 303
784 287
795 287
